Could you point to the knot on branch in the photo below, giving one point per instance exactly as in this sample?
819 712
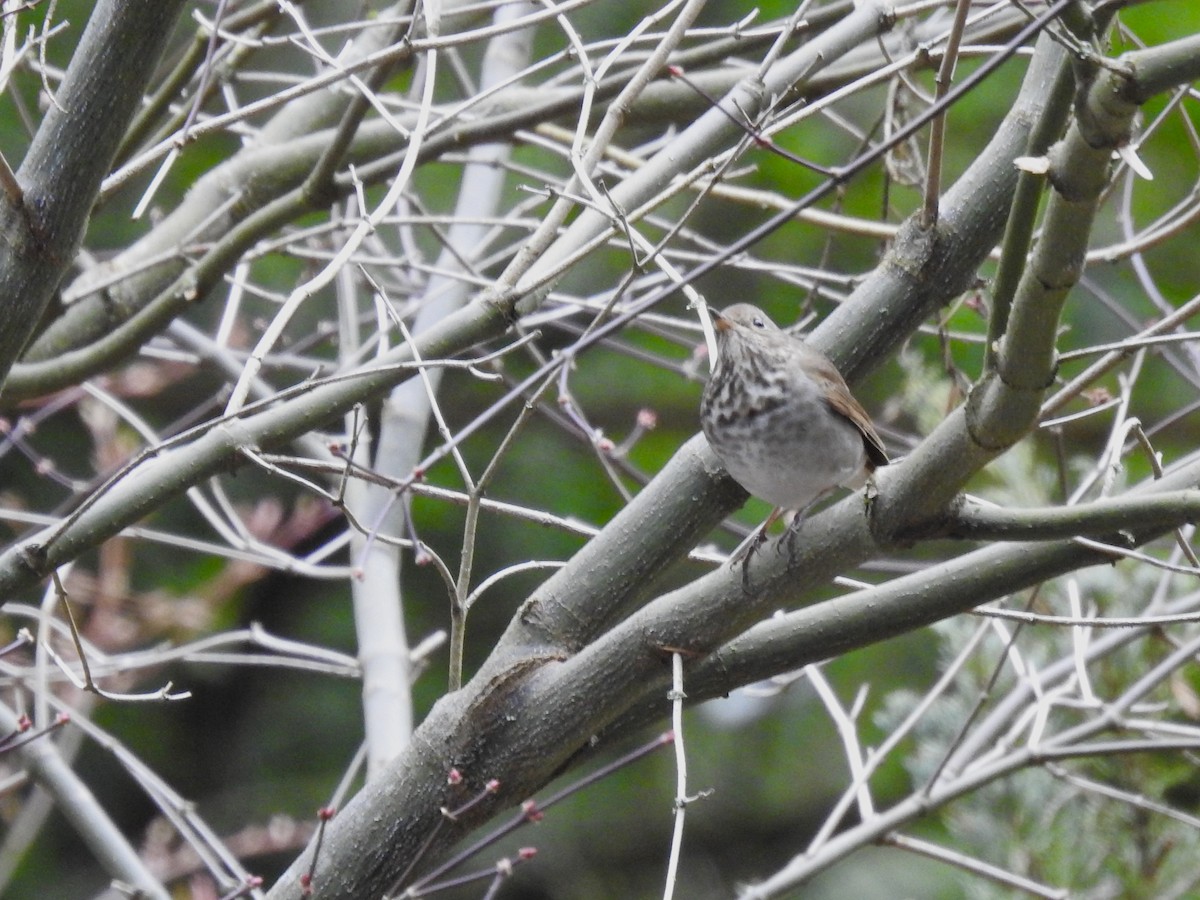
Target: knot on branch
998 413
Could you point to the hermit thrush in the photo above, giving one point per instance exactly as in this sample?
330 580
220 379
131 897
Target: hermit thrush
780 417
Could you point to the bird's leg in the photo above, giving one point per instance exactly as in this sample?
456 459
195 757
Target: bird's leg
760 535
750 545
743 551
757 538
794 526
793 529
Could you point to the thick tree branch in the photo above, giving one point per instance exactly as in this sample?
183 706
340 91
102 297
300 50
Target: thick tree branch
70 155
977 521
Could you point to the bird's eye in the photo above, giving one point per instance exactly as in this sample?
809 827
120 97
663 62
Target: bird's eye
758 322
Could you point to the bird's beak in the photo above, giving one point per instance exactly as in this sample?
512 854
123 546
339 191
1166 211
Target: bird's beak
720 321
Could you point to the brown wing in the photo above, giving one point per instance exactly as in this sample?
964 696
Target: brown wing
840 400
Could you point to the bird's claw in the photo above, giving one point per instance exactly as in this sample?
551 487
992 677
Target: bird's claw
748 548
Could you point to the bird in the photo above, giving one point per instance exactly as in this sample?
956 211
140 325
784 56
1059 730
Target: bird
781 419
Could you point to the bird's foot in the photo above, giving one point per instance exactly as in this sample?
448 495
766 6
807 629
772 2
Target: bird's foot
788 539
742 553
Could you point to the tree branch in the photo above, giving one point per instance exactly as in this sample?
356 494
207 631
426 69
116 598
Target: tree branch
70 154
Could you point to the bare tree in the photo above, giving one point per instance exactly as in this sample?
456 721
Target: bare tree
330 292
